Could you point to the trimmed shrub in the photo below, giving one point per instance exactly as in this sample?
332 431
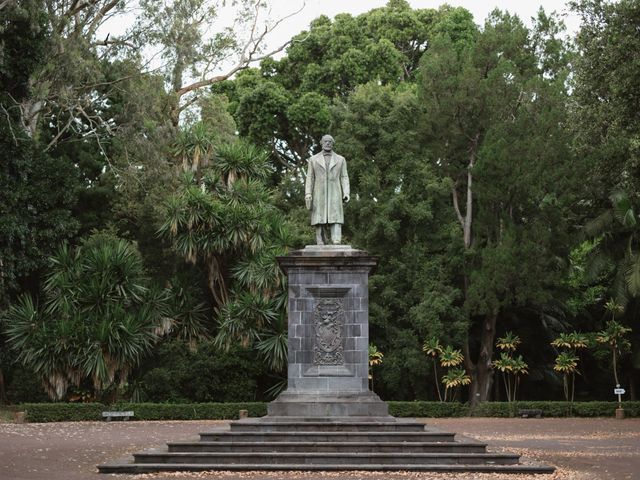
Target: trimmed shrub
556 409
62 412
193 411
428 409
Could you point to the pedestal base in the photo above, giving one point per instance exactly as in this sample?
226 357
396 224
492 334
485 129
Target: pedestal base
365 404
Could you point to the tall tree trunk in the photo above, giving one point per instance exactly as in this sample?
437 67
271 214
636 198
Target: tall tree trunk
482 373
30 113
3 391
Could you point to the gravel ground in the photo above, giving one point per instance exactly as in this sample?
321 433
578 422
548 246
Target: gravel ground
580 449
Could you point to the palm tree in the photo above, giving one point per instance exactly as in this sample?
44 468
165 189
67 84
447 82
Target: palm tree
511 367
193 147
433 348
567 361
613 336
99 318
620 230
453 379
572 341
566 364
226 220
450 357
188 312
508 343
375 358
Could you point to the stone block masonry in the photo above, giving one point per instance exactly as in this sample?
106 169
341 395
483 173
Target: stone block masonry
328 334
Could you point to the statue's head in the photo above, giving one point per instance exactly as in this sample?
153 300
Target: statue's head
327 142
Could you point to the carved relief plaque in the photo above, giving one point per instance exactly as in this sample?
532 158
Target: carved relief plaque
328 320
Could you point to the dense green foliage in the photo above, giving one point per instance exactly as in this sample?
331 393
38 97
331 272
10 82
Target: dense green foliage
494 171
174 373
97 320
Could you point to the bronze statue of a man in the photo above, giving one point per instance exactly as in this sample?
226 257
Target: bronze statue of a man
327 186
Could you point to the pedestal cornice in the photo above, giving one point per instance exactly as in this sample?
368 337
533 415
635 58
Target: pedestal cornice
330 256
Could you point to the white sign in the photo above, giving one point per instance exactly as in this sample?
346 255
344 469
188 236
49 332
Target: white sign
619 391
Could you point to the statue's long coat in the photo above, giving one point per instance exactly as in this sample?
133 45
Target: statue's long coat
327 189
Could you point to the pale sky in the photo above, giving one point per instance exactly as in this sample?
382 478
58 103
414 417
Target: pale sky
479 8
314 8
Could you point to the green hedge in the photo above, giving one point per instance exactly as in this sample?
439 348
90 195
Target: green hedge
428 409
556 409
62 412
59 412
193 411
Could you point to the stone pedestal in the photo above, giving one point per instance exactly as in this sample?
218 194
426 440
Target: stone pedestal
328 372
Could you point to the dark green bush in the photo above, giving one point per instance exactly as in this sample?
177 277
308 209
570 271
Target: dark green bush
24 386
180 375
428 409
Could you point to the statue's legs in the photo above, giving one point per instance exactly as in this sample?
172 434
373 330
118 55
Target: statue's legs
336 233
320 235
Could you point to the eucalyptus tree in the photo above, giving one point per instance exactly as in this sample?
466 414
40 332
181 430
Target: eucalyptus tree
97 319
197 49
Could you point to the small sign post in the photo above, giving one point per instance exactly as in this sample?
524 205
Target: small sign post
619 392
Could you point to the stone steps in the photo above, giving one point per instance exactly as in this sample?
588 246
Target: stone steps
324 444
324 426
226 436
330 447
321 458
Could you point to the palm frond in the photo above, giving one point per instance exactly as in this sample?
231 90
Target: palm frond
633 275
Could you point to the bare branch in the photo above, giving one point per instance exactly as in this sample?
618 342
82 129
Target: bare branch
187 104
286 17
13 134
61 131
6 3
247 55
100 16
106 42
78 6
209 81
